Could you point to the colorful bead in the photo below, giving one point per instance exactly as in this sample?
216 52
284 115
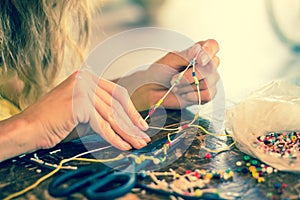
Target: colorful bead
269 194
252 168
198 192
245 170
246 158
208 156
208 176
238 163
269 170
277 185
151 112
254 162
169 143
192 62
261 179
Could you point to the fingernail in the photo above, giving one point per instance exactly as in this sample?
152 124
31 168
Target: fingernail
147 138
143 124
142 143
204 59
126 146
197 48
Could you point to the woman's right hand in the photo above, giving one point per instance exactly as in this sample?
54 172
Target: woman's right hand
84 98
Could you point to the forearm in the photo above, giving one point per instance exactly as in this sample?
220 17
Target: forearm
17 136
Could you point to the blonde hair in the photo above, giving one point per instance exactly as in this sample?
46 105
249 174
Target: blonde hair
36 36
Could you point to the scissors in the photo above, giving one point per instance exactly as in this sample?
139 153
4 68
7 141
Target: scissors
98 181
101 181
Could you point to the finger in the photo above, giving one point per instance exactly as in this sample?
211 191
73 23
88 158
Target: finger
172 101
131 134
123 97
104 129
206 96
216 61
209 50
108 108
208 72
119 121
206 83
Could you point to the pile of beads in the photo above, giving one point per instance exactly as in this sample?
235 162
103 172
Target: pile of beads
255 168
192 183
280 144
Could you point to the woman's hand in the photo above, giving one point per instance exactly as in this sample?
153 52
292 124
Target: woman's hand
147 87
83 98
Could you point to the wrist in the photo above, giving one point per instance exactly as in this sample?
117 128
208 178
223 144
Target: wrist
17 136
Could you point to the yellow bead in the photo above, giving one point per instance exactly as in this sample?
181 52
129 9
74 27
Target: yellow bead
198 192
138 161
142 157
158 103
255 175
261 179
231 173
208 176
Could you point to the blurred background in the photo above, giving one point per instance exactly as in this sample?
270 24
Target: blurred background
259 40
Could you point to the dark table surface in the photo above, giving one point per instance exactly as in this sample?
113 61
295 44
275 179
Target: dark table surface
17 173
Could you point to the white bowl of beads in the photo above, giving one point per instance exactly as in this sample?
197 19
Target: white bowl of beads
266 125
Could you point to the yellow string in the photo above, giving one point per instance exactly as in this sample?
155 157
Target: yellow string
138 159
34 185
208 133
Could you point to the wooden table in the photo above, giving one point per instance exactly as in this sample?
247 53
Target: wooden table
17 174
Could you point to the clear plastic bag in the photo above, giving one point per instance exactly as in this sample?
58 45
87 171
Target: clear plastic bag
272 108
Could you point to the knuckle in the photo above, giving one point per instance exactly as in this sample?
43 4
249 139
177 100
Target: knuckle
111 116
104 126
122 91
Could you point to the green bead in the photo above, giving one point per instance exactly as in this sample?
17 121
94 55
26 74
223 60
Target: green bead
254 162
269 194
246 158
258 169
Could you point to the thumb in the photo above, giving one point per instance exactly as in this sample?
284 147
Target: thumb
204 51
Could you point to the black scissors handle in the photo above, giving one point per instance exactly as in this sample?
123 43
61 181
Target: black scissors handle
95 181
97 190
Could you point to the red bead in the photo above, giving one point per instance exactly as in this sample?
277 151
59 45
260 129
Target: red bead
188 171
151 112
208 156
185 126
169 143
197 174
284 185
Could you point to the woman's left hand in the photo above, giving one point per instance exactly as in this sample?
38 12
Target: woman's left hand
148 87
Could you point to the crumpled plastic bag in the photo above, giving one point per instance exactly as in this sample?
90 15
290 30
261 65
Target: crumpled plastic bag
273 108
